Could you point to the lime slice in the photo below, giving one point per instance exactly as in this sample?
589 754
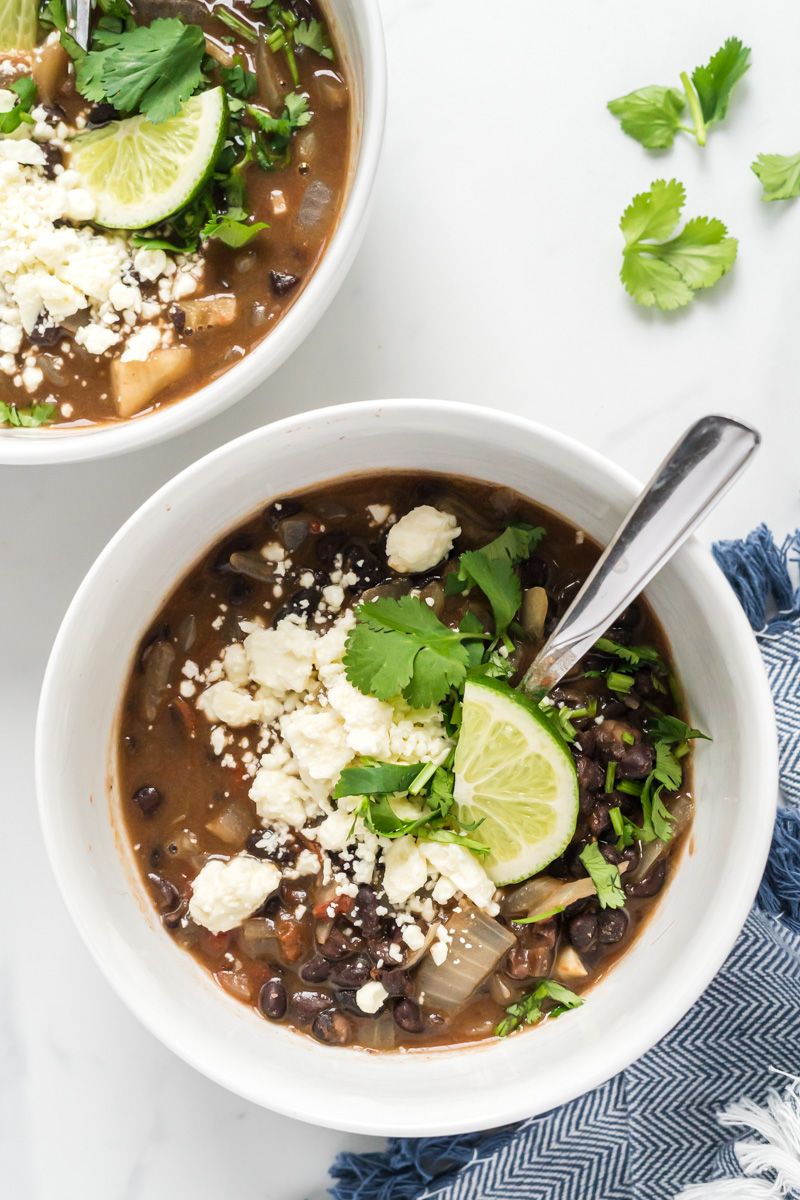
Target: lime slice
140 173
514 774
19 24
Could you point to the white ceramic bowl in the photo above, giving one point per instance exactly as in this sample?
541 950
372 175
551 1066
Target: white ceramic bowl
681 947
358 29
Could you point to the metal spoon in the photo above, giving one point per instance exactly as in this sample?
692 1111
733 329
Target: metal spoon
692 479
79 15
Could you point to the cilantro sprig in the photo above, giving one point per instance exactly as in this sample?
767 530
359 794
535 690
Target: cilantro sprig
661 267
604 875
779 175
530 1008
654 115
25 418
400 647
20 114
491 569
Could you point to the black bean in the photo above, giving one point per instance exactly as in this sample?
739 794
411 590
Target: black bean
101 114
339 944
353 973
364 565
332 1028
590 776
408 1016
316 970
279 510
53 157
611 925
396 981
328 545
239 591
304 1005
637 762
178 318
293 893
221 560
598 819
272 999
582 931
44 333
168 897
303 603
264 843
282 282
651 883
365 911
148 799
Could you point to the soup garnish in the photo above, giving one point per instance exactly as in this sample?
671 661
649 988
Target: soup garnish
164 198
343 806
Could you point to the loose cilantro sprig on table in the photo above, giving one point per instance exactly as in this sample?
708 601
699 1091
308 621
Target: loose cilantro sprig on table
400 647
667 271
653 115
530 1008
779 175
25 418
604 875
20 114
492 570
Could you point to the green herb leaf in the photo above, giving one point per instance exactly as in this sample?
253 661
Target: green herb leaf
672 729
231 229
25 418
651 115
668 273
237 80
779 175
25 90
530 1008
313 35
492 570
605 877
375 778
715 81
634 655
400 647
150 69
235 23
537 917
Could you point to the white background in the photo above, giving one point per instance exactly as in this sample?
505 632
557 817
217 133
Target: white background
488 275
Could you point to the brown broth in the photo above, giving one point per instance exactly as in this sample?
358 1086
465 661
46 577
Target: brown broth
320 159
171 752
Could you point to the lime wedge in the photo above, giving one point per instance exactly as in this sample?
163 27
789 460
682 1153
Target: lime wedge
140 173
19 24
514 774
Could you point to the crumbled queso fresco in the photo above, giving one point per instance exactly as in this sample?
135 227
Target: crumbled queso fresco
290 682
59 274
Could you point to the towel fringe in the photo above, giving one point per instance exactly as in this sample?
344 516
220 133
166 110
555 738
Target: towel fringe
777 1156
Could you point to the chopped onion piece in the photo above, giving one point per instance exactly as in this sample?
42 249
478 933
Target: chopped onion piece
379 1034
534 612
544 893
681 811
232 824
477 945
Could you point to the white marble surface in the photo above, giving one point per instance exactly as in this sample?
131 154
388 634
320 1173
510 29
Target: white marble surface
488 275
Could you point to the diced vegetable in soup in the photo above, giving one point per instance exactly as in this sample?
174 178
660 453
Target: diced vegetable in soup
344 805
164 199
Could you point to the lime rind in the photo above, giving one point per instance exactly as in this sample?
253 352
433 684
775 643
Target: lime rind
515 776
19 24
140 173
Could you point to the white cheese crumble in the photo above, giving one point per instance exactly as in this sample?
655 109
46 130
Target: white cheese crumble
226 893
421 539
370 996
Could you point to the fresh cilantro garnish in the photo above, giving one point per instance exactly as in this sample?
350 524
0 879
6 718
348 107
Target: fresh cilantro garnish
25 90
672 736
667 273
561 716
146 242
25 418
779 175
492 570
237 80
235 23
313 35
635 655
605 877
150 69
232 228
653 115
400 647
530 1008
673 729
376 778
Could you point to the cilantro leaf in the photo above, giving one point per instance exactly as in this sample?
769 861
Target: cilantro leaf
779 175
375 778
529 1009
312 34
25 90
231 229
492 570
716 80
667 273
150 69
651 115
605 877
635 655
25 418
400 647
237 80
672 729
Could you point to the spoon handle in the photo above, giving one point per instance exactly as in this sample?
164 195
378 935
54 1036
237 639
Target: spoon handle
693 477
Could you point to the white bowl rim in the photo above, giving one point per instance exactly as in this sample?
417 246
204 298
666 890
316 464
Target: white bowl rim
55 447
688 984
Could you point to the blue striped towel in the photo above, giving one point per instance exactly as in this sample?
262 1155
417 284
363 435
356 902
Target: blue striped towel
656 1131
